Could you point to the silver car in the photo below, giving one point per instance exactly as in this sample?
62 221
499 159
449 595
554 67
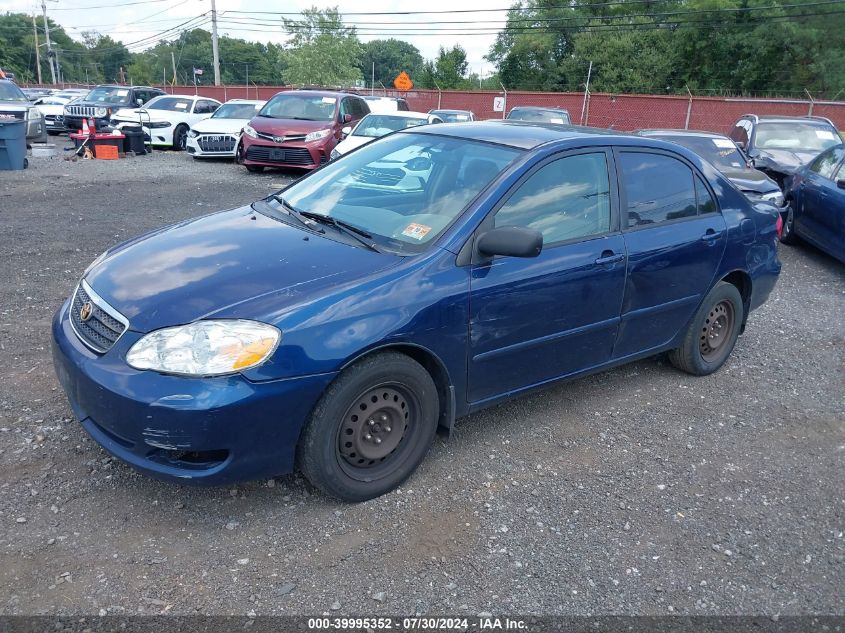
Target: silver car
15 105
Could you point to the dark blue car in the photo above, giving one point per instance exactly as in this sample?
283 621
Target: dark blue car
816 204
427 275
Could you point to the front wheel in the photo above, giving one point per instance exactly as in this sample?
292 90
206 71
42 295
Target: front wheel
180 137
371 428
787 233
712 333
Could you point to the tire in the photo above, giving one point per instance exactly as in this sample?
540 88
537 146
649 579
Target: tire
370 429
180 137
255 169
787 234
712 332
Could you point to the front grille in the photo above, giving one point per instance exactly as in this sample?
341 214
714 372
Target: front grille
54 117
15 114
286 155
102 328
78 110
217 143
286 137
378 176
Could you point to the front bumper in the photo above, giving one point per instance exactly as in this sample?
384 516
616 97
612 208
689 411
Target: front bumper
207 431
212 145
292 154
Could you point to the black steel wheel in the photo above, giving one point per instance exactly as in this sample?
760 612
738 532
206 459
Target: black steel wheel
712 333
371 428
787 233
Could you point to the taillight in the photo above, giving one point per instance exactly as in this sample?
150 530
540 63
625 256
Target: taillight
779 225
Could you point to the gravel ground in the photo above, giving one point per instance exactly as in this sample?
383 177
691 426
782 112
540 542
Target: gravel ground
636 491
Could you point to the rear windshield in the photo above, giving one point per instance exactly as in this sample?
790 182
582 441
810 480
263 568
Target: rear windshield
109 94
795 135
236 111
720 151
539 116
451 116
10 92
300 107
375 125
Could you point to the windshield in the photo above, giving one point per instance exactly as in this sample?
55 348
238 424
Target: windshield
719 151
173 104
10 92
54 101
539 116
236 111
795 135
109 94
405 189
302 107
375 125
452 116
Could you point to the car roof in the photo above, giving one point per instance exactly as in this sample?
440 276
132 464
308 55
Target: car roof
553 108
449 110
519 134
788 119
253 101
379 98
324 93
671 132
402 114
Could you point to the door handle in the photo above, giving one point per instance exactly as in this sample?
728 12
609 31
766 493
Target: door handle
609 257
710 234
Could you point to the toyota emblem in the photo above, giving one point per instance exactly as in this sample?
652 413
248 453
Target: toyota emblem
86 310
279 139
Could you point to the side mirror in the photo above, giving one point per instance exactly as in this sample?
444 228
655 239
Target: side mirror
740 144
347 118
840 183
511 241
140 102
346 131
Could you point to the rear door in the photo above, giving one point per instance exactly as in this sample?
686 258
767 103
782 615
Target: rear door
816 219
536 319
675 237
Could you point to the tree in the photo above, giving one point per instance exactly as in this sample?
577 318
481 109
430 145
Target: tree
321 50
450 67
391 57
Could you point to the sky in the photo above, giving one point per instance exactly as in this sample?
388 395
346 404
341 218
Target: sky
146 18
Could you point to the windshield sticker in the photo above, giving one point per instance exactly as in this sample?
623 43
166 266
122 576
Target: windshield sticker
825 134
328 100
462 117
556 120
122 93
416 231
724 143
180 105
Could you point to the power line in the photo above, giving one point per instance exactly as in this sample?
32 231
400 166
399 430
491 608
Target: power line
109 6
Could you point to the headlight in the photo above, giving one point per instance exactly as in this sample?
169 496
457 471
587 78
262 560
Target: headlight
334 155
205 348
158 124
316 136
250 131
101 112
33 114
774 197
94 263
193 133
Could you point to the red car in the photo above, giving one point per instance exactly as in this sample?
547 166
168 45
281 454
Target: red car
298 128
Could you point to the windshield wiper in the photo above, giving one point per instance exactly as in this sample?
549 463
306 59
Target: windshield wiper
300 216
351 230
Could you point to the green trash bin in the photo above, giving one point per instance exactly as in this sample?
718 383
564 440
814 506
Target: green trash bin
12 144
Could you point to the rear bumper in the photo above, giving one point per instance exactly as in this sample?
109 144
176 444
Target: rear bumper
205 431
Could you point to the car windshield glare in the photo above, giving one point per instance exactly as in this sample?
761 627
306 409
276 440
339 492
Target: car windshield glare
173 104
302 107
10 92
109 94
539 116
235 111
720 151
376 125
451 117
404 190
796 136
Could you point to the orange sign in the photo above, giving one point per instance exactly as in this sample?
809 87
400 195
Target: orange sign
403 81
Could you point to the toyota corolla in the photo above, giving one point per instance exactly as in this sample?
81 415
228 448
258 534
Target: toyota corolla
334 325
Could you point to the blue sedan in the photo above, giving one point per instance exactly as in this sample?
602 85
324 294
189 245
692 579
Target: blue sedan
336 324
816 204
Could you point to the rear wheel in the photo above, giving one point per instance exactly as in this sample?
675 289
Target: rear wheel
712 333
371 428
787 234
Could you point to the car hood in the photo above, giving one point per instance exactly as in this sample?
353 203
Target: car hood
15 106
220 126
287 127
351 142
751 180
52 109
205 266
782 160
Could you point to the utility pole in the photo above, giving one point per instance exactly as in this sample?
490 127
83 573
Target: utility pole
37 52
214 50
173 59
247 80
50 52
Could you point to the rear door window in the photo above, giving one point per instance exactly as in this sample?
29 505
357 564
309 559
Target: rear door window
825 165
658 188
